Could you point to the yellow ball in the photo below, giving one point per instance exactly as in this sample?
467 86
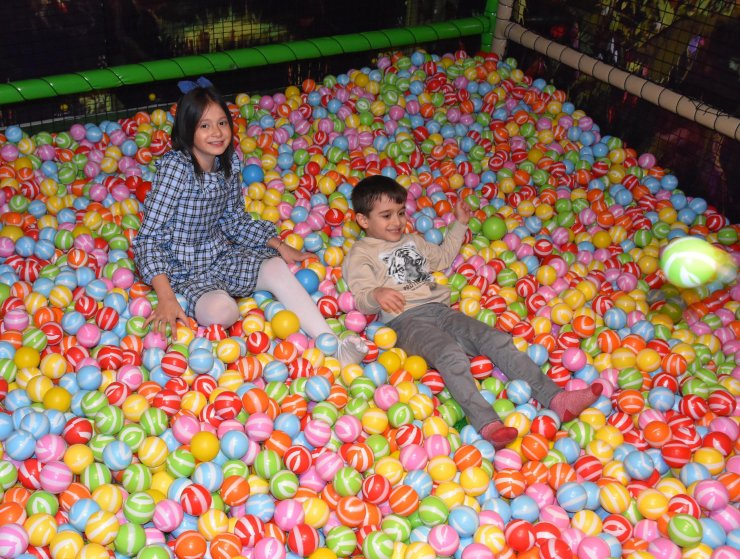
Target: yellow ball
134 407
77 457
451 493
101 527
323 553
374 421
228 350
315 512
385 338
204 446
57 398
652 504
416 366
38 386
391 361
66 545
390 468
93 551
153 452
41 528
26 357
285 323
109 497
474 480
213 523
491 536
614 497
441 468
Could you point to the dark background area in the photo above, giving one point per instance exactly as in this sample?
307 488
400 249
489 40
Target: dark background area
671 42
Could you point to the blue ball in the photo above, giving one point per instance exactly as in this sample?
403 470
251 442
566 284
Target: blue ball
252 173
201 360
638 465
318 388
262 506
20 445
518 391
117 455
464 520
524 507
308 279
572 497
81 511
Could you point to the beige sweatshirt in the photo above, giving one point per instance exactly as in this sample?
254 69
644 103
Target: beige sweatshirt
405 266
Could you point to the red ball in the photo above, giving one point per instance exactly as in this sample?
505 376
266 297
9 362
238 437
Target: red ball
195 499
376 489
617 526
303 540
249 529
720 402
676 454
258 342
520 535
174 364
298 459
77 431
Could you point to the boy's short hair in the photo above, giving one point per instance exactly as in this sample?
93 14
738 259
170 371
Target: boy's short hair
370 190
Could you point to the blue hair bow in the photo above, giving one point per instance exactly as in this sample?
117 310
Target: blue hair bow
186 86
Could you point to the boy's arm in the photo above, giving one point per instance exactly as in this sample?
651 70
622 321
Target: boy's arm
441 256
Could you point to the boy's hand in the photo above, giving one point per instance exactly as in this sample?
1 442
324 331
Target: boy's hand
389 299
463 212
291 255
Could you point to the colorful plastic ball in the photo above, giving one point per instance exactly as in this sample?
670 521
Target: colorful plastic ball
684 530
285 323
690 262
204 446
494 228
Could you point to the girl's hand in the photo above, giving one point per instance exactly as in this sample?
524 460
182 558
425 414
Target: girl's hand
168 312
463 212
291 255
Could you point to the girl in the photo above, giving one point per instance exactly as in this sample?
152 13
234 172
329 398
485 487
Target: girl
197 240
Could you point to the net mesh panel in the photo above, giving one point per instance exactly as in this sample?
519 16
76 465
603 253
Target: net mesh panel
687 46
66 36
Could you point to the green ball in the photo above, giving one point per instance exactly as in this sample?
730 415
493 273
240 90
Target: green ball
503 407
377 546
400 414
130 539
180 463
685 530
154 422
494 228
137 477
8 474
156 551
267 463
95 475
347 481
235 468
727 236
42 502
433 511
341 540
379 445
582 433
284 485
690 262
139 508
397 527
109 420
133 435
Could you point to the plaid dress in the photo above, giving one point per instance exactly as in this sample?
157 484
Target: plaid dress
196 232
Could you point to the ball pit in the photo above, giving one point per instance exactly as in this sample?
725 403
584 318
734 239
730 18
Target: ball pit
253 442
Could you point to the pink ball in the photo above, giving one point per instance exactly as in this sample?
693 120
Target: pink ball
55 477
7 247
131 376
348 428
346 302
13 540
88 335
185 429
711 495
574 359
354 320
437 445
724 552
153 536
444 540
328 464
476 551
311 479
573 537
728 518
555 515
542 494
413 457
385 396
269 548
259 427
123 278
167 515
317 432
592 547
646 530
663 548
50 447
507 459
288 514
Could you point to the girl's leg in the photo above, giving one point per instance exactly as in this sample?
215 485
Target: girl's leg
275 276
216 307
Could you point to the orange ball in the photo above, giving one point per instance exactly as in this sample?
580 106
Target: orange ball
657 433
190 545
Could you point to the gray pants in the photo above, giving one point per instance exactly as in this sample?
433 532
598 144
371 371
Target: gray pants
445 337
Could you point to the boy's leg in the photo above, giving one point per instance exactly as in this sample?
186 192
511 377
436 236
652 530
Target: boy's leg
479 339
275 276
419 333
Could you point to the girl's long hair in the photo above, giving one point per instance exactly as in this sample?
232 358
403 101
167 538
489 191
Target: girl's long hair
190 109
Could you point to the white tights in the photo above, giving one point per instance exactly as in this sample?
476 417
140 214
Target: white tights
218 307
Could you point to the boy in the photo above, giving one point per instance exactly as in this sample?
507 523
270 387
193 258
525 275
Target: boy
389 273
